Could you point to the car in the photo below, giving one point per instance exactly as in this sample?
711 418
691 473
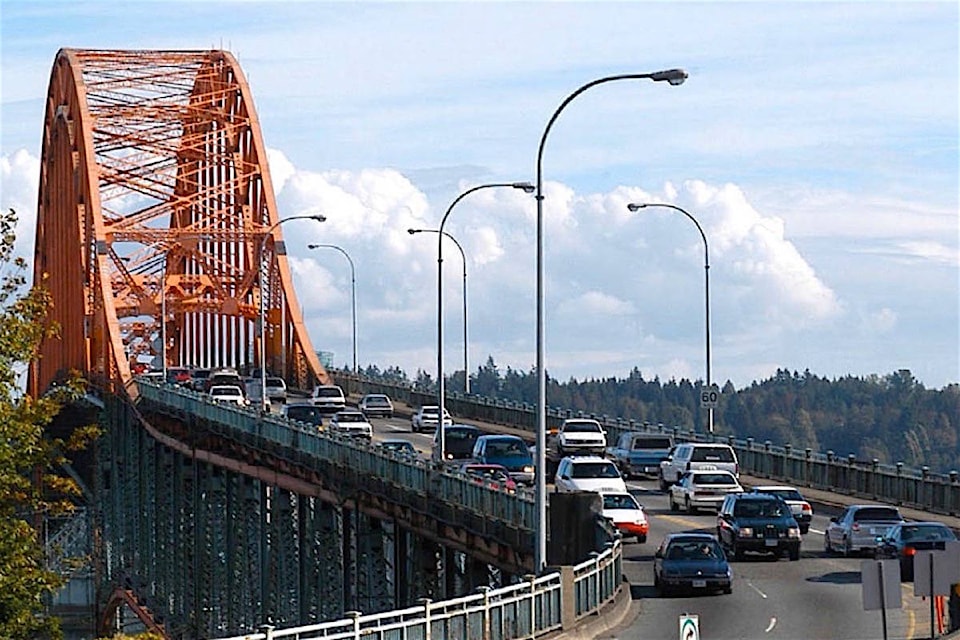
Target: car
276 389
703 489
458 442
303 412
228 393
494 476
222 377
427 417
691 562
376 404
328 398
508 451
198 379
904 540
640 453
858 527
801 509
626 514
351 422
588 473
760 522
178 375
690 456
398 447
581 435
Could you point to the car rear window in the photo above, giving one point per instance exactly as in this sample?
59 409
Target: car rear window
581 427
926 532
651 443
594 470
786 494
461 434
713 478
303 413
712 454
876 513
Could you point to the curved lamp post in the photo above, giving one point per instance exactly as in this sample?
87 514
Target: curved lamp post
353 294
706 284
466 369
264 402
674 77
527 188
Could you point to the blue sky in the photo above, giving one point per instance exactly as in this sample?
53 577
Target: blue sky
816 143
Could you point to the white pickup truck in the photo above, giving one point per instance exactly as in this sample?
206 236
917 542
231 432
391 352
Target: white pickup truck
581 436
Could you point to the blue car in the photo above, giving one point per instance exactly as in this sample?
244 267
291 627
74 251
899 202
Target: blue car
691 562
510 452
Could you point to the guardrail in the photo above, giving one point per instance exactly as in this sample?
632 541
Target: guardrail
871 479
534 608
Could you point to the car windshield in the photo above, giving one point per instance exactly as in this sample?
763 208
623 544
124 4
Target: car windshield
327 392
380 401
619 501
225 391
350 417
274 382
401 445
651 443
505 448
303 413
581 427
460 434
714 478
693 550
758 509
914 533
876 513
712 454
594 470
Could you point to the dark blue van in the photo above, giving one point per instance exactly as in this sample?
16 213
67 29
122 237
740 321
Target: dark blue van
509 451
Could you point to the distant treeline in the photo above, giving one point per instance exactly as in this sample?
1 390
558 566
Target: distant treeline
892 418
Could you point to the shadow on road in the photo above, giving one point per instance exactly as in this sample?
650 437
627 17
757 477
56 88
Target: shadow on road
838 577
641 591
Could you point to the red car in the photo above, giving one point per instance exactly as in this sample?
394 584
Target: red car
494 476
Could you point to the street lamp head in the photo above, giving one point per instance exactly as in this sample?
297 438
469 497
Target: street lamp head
673 76
413 231
312 246
525 186
634 206
319 217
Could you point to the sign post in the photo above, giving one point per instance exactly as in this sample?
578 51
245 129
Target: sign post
934 571
689 626
710 396
880 580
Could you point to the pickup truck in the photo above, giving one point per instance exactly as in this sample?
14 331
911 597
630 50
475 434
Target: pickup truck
581 436
640 453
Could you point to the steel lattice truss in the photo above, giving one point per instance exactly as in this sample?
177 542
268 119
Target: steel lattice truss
155 192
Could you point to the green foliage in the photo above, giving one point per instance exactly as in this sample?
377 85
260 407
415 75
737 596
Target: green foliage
891 418
30 487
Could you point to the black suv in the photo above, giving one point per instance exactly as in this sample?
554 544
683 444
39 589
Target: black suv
757 522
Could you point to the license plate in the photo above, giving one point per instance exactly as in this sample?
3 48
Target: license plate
771 542
699 584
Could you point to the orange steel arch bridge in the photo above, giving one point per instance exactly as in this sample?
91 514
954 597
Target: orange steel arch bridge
155 195
158 235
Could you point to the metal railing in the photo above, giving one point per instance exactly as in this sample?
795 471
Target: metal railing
527 609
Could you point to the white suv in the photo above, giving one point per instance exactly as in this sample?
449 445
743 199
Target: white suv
581 435
328 397
588 473
690 456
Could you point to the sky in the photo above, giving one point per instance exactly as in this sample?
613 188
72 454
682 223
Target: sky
815 144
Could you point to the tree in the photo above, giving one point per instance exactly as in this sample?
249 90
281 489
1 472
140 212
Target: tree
30 487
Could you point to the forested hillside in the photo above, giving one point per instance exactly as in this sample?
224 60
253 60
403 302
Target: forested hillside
892 418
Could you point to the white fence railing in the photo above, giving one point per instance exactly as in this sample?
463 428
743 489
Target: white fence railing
529 609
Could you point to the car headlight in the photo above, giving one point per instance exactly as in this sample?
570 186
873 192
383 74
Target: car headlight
793 532
528 469
745 532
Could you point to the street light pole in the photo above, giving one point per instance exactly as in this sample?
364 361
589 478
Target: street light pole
674 77
163 320
706 284
353 294
527 188
264 402
463 256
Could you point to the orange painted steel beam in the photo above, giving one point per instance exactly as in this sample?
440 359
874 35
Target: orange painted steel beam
154 187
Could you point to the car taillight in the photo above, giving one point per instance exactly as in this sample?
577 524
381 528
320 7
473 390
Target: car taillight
736 469
806 508
856 526
909 551
688 466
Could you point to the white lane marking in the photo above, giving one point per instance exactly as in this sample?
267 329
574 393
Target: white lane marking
773 623
762 594
817 531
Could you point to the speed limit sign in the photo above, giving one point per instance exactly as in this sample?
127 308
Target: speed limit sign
709 397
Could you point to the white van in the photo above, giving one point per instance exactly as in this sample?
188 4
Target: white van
328 398
697 455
